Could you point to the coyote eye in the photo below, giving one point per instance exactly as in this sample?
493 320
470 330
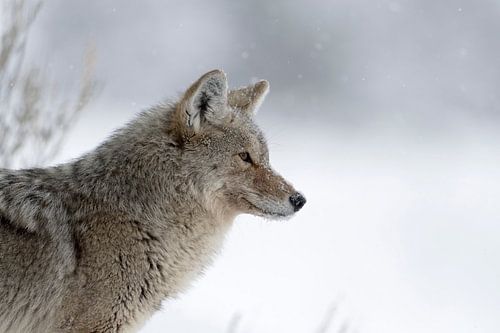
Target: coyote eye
246 157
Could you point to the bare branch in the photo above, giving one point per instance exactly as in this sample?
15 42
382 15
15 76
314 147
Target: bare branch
234 323
34 117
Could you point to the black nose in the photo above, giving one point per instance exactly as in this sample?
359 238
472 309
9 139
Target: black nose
298 201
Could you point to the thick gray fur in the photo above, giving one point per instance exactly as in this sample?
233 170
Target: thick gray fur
95 245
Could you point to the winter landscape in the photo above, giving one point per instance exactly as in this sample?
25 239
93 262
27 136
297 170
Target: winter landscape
383 113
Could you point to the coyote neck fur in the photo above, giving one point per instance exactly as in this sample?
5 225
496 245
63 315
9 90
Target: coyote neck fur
130 186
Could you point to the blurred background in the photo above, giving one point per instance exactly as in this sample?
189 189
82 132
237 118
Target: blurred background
384 113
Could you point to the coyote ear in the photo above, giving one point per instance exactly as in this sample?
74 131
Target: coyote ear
205 100
249 99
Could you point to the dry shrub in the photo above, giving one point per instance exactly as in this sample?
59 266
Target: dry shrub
35 115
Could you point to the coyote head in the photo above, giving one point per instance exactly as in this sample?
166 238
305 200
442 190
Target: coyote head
226 153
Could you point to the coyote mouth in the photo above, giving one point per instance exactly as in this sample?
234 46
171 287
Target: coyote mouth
264 212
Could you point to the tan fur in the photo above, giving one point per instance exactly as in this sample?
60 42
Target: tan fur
95 245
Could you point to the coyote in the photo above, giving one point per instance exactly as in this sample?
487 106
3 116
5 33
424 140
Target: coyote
96 244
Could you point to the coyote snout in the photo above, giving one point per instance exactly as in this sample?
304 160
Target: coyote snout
271 196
